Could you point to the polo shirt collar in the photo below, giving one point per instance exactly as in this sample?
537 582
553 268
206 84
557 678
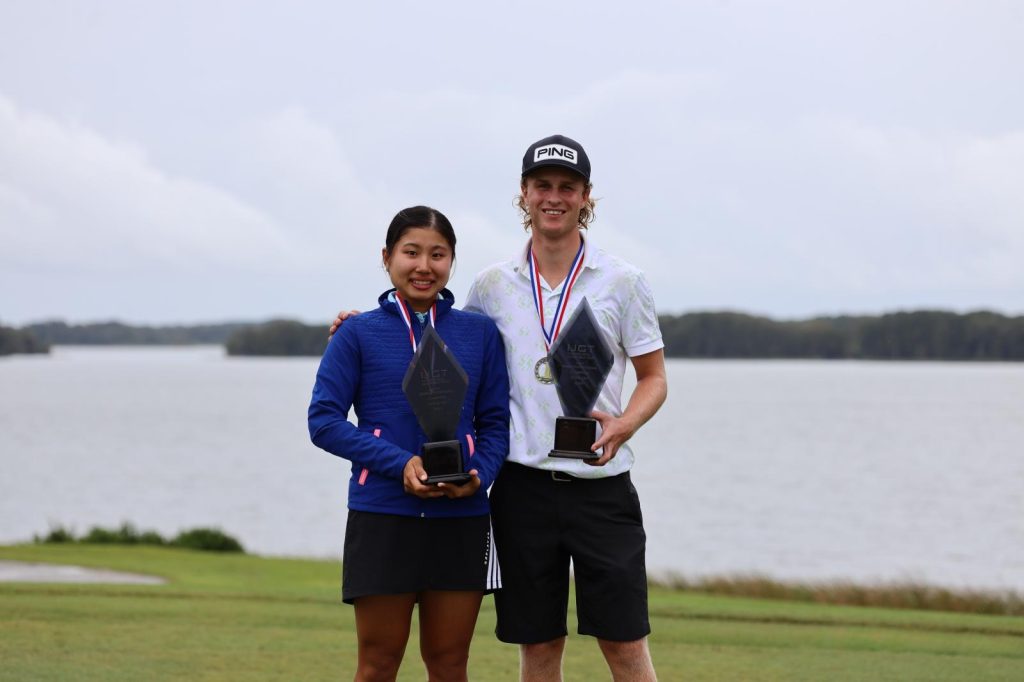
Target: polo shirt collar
589 255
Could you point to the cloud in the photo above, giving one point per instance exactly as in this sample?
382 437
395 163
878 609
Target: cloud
793 205
908 207
72 198
789 209
823 213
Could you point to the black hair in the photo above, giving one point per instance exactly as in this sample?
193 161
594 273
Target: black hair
419 216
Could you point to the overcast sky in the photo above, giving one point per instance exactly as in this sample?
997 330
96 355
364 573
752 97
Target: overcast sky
199 161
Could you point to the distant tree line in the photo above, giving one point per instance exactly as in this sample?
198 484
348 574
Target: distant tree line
20 341
279 337
918 335
117 333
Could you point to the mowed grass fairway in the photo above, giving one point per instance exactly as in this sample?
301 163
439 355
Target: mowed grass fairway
237 617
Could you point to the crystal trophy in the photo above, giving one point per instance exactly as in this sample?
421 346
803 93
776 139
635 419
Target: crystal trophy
580 362
435 386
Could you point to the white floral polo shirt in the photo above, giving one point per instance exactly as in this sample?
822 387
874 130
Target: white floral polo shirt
622 302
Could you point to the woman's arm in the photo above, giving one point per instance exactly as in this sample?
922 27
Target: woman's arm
491 413
337 381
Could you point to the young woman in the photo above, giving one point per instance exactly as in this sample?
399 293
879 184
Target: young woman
407 541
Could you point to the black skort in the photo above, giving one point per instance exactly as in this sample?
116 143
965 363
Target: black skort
391 554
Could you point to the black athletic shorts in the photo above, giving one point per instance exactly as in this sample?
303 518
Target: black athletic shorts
390 554
541 521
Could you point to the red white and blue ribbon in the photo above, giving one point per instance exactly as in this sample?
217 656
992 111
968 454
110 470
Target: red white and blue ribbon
551 333
406 315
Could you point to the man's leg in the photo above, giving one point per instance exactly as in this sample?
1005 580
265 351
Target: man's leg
531 605
628 661
608 544
541 662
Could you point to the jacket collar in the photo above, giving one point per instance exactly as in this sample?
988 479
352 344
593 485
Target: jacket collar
445 301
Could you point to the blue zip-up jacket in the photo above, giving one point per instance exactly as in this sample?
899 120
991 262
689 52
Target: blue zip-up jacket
363 368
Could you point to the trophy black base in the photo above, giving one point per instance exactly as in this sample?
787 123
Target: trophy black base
573 438
442 461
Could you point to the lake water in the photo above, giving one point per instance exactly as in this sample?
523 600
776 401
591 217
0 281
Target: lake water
794 469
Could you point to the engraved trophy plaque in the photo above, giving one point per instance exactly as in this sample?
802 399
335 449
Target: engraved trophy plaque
580 362
435 386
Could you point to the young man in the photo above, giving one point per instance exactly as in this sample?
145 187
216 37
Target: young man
548 510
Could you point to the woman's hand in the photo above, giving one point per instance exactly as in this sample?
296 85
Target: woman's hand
413 478
414 475
467 489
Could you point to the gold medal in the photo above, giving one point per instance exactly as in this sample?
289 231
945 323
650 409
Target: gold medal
542 371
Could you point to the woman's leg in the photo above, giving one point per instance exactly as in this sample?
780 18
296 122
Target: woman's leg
382 626
447 619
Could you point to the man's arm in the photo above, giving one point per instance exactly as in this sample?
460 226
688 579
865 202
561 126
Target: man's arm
648 396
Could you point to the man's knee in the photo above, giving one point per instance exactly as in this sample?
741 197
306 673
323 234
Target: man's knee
552 647
632 656
541 661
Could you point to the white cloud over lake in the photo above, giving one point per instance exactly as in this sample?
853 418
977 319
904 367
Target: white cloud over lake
225 160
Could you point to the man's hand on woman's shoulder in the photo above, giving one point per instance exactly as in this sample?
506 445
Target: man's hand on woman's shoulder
340 319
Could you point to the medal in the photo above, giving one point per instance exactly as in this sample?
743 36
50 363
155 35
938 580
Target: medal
542 370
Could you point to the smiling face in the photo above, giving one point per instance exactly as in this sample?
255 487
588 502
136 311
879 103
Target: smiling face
419 265
554 197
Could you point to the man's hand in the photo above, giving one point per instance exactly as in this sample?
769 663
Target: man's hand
413 478
648 396
342 316
614 432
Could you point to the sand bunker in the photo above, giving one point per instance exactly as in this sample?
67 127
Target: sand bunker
23 572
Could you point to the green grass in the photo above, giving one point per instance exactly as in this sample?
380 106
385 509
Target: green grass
238 617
